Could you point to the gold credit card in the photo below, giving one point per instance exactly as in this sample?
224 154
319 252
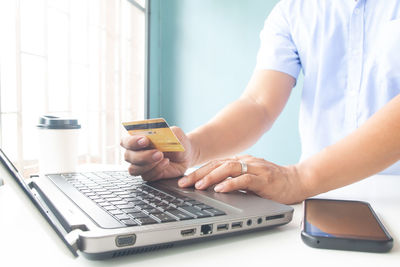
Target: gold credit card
157 130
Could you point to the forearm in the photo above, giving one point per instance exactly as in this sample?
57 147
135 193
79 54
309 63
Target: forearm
240 124
368 150
234 129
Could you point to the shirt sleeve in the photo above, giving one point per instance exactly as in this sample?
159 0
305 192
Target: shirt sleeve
277 50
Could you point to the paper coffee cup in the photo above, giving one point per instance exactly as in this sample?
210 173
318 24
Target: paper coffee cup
58 144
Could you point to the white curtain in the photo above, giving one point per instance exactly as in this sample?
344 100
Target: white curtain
80 58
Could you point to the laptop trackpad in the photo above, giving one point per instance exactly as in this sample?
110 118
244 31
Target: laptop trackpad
237 200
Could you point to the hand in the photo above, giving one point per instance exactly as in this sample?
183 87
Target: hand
268 180
152 164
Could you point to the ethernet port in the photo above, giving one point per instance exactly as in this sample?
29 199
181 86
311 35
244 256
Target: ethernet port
206 229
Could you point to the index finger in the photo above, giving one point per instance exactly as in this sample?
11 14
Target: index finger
135 142
198 174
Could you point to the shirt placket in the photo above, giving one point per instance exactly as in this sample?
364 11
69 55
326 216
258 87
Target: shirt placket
355 63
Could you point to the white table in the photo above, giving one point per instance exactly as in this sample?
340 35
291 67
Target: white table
26 239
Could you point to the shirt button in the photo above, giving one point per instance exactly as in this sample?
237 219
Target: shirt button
356 11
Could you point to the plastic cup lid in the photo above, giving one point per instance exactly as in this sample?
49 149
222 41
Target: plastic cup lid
53 122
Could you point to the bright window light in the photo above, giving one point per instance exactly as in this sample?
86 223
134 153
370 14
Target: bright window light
80 58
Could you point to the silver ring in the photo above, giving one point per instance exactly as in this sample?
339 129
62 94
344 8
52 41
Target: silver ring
244 166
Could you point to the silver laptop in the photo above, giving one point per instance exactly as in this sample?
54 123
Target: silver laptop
110 214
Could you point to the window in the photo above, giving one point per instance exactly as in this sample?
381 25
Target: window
80 58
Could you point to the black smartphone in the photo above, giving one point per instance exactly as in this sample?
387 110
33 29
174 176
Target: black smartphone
344 225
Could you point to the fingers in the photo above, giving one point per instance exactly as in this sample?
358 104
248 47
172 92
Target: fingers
246 181
211 173
139 170
143 157
192 178
135 142
157 172
142 160
227 169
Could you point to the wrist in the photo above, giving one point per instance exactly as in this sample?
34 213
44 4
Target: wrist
194 150
306 178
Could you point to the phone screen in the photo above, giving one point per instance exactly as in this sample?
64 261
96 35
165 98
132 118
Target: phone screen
344 219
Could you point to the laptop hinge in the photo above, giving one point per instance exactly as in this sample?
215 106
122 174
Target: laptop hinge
73 239
54 221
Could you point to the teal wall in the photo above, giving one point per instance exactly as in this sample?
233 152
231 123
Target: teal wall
202 54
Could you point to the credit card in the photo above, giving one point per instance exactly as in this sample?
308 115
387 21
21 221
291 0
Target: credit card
159 133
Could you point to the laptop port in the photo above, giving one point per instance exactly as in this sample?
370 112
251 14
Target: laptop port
249 222
222 227
237 225
206 229
125 240
188 232
274 217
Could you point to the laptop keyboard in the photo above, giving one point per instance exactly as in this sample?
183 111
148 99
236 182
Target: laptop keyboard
132 201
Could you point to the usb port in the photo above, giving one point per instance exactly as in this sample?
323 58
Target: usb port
222 227
188 232
236 225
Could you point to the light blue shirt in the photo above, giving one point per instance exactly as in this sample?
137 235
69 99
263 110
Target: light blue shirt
349 52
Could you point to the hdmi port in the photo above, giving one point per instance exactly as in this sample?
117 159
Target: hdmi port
188 232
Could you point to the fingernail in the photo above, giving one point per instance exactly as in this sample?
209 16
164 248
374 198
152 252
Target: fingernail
157 156
183 181
218 188
142 141
199 184
165 163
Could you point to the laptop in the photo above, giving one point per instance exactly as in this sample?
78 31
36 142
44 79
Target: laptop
107 214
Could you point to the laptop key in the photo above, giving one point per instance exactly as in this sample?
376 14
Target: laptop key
106 194
182 205
163 207
118 202
203 207
147 220
124 196
163 217
142 205
135 202
198 213
193 202
126 206
115 212
129 222
114 199
130 198
120 193
99 190
122 217
215 212
109 208
151 211
176 201
179 214
145 207
137 215
132 210
103 204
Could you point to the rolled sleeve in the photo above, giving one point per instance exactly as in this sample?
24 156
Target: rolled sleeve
277 49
